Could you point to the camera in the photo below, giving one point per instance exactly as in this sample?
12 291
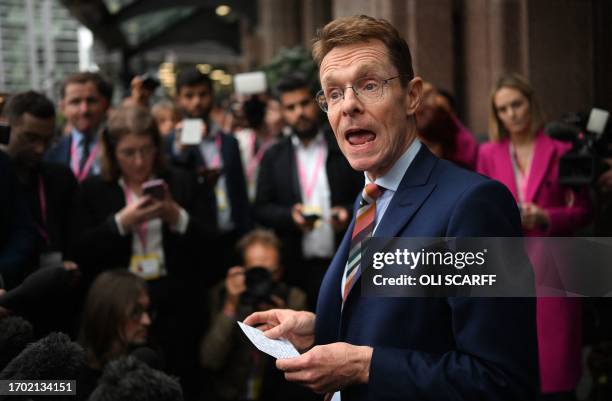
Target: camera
260 287
149 82
591 140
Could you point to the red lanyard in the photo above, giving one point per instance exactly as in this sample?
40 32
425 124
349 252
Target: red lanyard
141 229
43 210
309 186
74 161
256 159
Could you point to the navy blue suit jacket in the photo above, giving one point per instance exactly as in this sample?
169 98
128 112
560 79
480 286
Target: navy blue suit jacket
60 152
437 348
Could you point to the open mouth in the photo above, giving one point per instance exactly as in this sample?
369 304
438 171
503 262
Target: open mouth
357 137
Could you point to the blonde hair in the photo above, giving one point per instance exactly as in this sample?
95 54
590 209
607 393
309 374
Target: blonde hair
497 131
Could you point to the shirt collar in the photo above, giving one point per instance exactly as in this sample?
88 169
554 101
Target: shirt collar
214 131
78 137
392 179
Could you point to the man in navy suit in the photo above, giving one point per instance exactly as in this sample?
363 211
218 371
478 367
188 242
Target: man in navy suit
85 100
217 161
381 348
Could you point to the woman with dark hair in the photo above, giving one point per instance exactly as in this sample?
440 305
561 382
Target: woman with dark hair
136 216
523 158
115 320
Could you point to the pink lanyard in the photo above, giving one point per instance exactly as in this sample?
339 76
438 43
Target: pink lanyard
216 161
43 210
309 186
141 229
256 159
81 175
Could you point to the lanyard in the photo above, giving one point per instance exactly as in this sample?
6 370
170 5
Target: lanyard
74 161
256 158
141 229
308 186
216 161
43 210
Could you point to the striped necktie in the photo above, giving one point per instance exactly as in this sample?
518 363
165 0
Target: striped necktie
362 232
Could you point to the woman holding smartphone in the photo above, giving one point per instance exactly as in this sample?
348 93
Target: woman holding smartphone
526 160
126 220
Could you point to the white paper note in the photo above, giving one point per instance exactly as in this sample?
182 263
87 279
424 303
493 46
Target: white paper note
279 349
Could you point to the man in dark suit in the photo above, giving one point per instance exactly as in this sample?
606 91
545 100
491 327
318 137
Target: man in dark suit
49 192
305 174
49 188
380 348
85 100
217 161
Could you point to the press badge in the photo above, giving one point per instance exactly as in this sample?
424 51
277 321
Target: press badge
221 196
148 266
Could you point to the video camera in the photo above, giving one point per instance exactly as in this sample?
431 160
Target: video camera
591 143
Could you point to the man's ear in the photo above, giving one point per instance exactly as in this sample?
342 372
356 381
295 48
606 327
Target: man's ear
414 95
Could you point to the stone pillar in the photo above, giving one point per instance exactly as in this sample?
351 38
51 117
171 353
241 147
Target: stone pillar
315 14
279 26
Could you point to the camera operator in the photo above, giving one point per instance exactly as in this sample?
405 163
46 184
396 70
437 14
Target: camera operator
238 369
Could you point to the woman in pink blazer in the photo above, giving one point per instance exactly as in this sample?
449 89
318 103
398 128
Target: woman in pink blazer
523 158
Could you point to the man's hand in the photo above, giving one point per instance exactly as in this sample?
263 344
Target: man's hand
299 220
533 216
339 218
329 368
297 327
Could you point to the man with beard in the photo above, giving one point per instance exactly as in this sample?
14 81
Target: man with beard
49 191
85 100
305 188
222 187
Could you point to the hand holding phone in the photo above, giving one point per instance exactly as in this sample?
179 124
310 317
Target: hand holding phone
192 131
156 189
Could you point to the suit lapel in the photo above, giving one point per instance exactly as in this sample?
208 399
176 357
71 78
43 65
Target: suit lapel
411 193
543 153
295 180
506 171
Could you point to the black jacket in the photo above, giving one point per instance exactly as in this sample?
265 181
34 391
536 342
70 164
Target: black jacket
98 245
278 189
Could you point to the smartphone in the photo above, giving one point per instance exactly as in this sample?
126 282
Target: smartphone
191 133
156 189
210 175
311 218
250 83
5 133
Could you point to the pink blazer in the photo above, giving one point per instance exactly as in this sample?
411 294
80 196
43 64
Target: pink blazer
466 147
558 319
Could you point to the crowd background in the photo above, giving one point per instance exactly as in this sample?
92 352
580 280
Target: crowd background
248 217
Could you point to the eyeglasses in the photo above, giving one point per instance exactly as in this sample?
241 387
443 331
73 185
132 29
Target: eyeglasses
138 311
130 153
367 89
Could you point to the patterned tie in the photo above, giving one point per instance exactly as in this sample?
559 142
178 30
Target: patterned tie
362 232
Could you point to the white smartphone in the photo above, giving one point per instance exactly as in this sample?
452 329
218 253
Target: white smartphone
597 121
191 133
250 83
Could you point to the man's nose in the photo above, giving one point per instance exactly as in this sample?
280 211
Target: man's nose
351 103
